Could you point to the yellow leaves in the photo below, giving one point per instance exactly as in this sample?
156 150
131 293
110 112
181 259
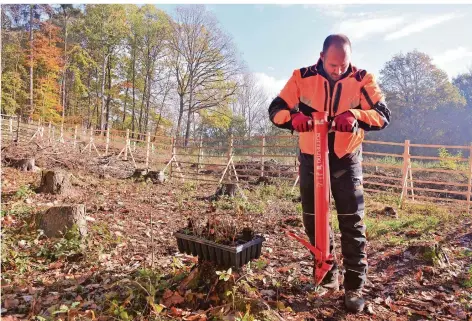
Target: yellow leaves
156 308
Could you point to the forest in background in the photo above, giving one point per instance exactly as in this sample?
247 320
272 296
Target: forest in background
180 74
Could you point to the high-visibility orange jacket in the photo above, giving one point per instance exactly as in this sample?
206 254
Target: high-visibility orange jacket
309 90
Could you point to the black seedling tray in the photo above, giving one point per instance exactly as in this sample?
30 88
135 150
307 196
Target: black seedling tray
223 255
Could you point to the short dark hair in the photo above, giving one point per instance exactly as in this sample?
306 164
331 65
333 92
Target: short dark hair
339 40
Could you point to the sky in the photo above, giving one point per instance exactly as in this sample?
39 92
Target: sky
276 39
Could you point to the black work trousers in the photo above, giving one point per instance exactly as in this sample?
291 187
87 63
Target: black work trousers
346 188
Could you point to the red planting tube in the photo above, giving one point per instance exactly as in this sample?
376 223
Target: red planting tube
323 263
323 259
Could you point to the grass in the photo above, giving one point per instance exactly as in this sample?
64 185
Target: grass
24 192
414 219
446 161
467 282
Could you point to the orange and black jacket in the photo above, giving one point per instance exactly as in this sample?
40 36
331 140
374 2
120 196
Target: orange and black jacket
310 90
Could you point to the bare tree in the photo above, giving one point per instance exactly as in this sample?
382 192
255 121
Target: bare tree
205 62
252 102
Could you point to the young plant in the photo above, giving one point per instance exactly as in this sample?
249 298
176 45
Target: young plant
225 276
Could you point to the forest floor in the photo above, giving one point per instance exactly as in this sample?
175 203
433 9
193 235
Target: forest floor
129 267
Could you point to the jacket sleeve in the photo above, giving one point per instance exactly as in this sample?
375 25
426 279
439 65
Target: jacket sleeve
286 103
373 113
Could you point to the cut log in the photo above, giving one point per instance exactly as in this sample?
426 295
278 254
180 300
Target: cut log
55 182
25 165
56 221
156 176
140 173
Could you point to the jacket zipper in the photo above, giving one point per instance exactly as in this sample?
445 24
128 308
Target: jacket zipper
336 98
326 97
330 99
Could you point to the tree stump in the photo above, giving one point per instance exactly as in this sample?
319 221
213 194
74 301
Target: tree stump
263 180
430 252
228 189
55 182
56 221
25 165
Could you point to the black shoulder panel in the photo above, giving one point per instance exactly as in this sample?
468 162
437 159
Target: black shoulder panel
308 71
360 74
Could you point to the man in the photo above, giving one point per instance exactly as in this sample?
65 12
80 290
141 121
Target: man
355 104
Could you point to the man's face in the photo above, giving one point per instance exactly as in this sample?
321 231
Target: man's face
336 61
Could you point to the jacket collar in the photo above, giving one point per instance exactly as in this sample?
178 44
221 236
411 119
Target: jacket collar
319 67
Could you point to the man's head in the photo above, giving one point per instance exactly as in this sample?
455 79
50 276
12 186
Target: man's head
336 55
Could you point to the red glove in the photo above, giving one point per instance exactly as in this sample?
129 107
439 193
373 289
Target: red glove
345 122
301 123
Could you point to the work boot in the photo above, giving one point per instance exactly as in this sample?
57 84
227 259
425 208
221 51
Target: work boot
330 281
354 301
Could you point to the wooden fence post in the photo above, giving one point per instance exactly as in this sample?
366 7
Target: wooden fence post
61 139
91 140
171 168
406 164
469 194
49 132
75 136
230 147
107 140
10 122
262 155
127 144
200 153
41 129
53 130
148 142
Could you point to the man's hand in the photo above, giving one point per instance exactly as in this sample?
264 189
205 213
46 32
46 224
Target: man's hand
301 123
345 122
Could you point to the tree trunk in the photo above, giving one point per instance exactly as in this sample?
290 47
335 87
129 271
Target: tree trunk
96 106
142 104
31 60
162 107
109 95
133 115
148 103
89 114
148 100
189 115
187 130
102 92
126 100
64 71
181 113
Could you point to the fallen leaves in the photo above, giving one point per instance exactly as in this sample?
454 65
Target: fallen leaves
398 285
170 298
11 303
419 275
196 317
55 265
